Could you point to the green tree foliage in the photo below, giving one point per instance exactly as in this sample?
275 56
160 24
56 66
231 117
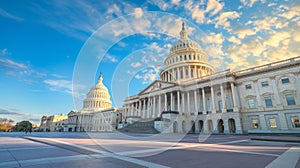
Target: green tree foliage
23 126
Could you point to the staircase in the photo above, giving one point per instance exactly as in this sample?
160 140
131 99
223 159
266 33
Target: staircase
145 126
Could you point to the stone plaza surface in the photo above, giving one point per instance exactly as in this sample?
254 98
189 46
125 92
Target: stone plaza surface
144 150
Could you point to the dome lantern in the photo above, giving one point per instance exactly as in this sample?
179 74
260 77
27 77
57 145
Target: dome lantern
183 32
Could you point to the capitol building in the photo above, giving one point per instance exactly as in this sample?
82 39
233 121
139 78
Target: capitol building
191 97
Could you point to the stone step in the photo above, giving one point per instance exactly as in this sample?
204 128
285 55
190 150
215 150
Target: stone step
141 126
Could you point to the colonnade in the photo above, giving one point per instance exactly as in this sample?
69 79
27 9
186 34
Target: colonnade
185 72
151 106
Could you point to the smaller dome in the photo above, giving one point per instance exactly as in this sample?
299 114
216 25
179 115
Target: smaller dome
98 97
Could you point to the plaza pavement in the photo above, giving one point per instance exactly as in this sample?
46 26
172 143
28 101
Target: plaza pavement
57 150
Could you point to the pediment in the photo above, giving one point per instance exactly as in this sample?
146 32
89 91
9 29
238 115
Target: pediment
157 85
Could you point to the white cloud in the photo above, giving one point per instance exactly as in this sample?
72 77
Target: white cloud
135 64
269 23
59 85
149 75
66 86
277 38
250 2
175 2
199 14
138 12
213 38
4 52
114 10
272 4
222 20
234 40
109 58
291 13
214 7
242 33
12 64
9 15
57 76
161 4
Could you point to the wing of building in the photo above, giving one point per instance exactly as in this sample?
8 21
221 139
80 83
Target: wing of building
97 113
192 97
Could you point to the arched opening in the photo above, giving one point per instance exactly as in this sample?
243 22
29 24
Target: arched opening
175 127
221 126
231 125
210 125
183 127
192 130
200 126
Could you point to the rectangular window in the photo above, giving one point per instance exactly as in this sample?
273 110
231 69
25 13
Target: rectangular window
290 100
251 103
264 84
285 80
254 123
248 86
295 122
268 102
273 123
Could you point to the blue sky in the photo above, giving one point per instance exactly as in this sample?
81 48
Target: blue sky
49 48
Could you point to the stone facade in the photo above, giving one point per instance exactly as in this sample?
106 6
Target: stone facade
192 97
53 123
97 113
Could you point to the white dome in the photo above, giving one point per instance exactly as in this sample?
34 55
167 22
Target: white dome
98 97
186 60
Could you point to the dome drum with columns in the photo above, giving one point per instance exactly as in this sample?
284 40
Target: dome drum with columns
98 97
186 60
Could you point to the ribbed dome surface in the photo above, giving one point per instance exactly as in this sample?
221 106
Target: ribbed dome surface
98 97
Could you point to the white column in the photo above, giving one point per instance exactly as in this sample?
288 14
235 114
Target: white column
259 101
128 110
148 107
196 72
196 102
213 99
165 102
183 103
204 101
189 72
154 107
223 99
183 70
178 74
235 106
171 102
159 106
188 103
144 109
178 101
277 101
140 109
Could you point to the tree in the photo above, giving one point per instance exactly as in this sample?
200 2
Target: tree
6 125
23 126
